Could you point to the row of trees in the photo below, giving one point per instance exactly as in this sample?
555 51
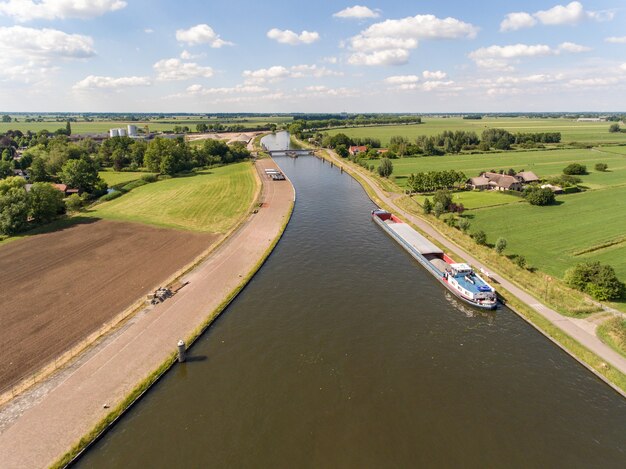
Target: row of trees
20 210
434 180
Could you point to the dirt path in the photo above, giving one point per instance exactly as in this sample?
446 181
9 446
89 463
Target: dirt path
55 422
579 329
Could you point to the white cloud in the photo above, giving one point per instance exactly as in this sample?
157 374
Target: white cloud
616 39
571 14
199 90
389 42
267 74
330 60
437 75
592 82
435 85
572 47
623 67
109 83
380 57
289 37
402 79
44 43
148 30
26 10
518 20
201 34
500 57
176 69
186 55
358 12
278 72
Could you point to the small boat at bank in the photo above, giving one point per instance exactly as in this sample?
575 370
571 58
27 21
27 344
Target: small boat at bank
459 278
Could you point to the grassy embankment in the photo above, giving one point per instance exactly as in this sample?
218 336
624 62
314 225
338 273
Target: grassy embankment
571 131
210 201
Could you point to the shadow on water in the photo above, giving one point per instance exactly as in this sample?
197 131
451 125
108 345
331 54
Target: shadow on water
344 352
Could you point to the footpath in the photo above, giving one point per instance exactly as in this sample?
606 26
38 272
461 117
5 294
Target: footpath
578 329
50 427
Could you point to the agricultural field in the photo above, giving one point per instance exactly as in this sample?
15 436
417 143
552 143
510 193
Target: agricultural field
207 201
70 282
571 131
156 125
544 163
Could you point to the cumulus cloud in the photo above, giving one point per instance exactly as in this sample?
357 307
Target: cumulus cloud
570 14
435 85
437 75
358 12
500 57
201 34
199 90
593 82
176 69
289 37
402 79
616 39
519 20
380 57
110 83
186 55
389 42
278 72
44 43
27 10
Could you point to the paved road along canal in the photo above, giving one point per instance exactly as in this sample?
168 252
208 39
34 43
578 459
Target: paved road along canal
344 352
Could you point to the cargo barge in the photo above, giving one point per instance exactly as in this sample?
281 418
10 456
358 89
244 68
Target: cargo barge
459 278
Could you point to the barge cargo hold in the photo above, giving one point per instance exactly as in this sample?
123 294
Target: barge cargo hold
459 278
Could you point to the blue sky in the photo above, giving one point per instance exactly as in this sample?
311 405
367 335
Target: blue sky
323 56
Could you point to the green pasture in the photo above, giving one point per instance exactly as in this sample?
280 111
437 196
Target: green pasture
153 125
478 199
209 201
571 131
115 178
544 163
551 237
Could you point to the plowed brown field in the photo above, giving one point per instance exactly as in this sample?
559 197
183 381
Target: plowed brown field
57 288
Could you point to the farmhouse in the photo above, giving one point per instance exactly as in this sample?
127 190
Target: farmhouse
479 182
503 182
356 149
527 177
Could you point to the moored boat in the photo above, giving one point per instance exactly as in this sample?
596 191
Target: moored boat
459 278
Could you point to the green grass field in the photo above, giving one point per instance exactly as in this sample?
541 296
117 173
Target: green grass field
153 125
209 201
543 163
571 131
550 237
116 178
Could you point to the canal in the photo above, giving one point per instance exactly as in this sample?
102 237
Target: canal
343 352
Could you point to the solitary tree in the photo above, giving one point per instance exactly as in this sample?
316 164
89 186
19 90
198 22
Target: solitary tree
500 245
480 237
386 167
601 167
613 128
427 206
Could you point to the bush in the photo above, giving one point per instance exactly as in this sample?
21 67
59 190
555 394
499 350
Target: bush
149 178
614 128
463 224
110 196
575 168
599 281
480 237
520 261
444 197
500 245
538 196
74 203
438 209
133 185
601 167
428 206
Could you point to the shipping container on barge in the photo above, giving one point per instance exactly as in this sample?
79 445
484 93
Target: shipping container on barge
459 278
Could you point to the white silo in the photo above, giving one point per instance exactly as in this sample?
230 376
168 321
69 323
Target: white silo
122 132
114 133
132 130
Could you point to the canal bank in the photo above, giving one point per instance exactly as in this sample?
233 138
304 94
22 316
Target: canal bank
567 333
101 388
343 352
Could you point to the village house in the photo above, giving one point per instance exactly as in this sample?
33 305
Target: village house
527 177
479 182
495 181
356 149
